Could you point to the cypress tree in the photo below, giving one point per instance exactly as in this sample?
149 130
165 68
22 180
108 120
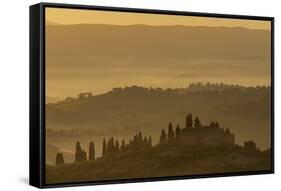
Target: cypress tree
145 141
83 156
116 147
212 124
103 148
189 120
150 141
197 122
59 159
178 132
78 151
163 137
135 141
227 131
171 134
140 139
123 145
110 146
92 151
217 124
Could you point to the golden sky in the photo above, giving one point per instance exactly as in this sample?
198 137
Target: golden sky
79 16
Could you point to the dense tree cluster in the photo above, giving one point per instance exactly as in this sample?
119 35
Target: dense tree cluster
250 146
113 146
175 136
85 95
80 155
208 86
172 136
139 141
214 124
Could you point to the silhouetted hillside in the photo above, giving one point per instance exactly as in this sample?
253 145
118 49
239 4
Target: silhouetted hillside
125 110
190 150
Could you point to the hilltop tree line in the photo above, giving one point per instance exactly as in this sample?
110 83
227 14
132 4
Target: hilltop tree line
192 87
208 86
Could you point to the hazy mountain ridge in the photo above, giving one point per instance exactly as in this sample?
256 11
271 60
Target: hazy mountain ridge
178 41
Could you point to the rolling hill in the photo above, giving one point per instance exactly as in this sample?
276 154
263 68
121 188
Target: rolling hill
125 111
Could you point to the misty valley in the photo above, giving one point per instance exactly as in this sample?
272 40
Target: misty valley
138 132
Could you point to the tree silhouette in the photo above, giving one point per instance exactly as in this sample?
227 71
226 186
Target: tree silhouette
163 137
59 159
110 146
217 124
83 156
123 145
135 141
227 131
92 151
145 141
250 146
81 96
139 139
103 148
197 122
212 124
150 141
90 94
189 120
116 146
80 155
78 151
171 134
178 132
140 136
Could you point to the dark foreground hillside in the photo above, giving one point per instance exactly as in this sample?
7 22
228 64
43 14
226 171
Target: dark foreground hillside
161 161
190 150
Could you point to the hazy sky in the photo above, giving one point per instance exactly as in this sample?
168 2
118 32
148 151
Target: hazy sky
98 58
78 16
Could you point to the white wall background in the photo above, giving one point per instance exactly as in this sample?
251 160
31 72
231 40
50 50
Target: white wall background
14 58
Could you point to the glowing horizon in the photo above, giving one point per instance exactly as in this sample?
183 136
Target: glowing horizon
63 16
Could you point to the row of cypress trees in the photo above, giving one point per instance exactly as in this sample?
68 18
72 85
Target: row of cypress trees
171 137
112 146
80 154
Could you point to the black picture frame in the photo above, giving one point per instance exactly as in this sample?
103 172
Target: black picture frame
37 93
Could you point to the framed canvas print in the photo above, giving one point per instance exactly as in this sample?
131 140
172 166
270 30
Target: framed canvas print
126 95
